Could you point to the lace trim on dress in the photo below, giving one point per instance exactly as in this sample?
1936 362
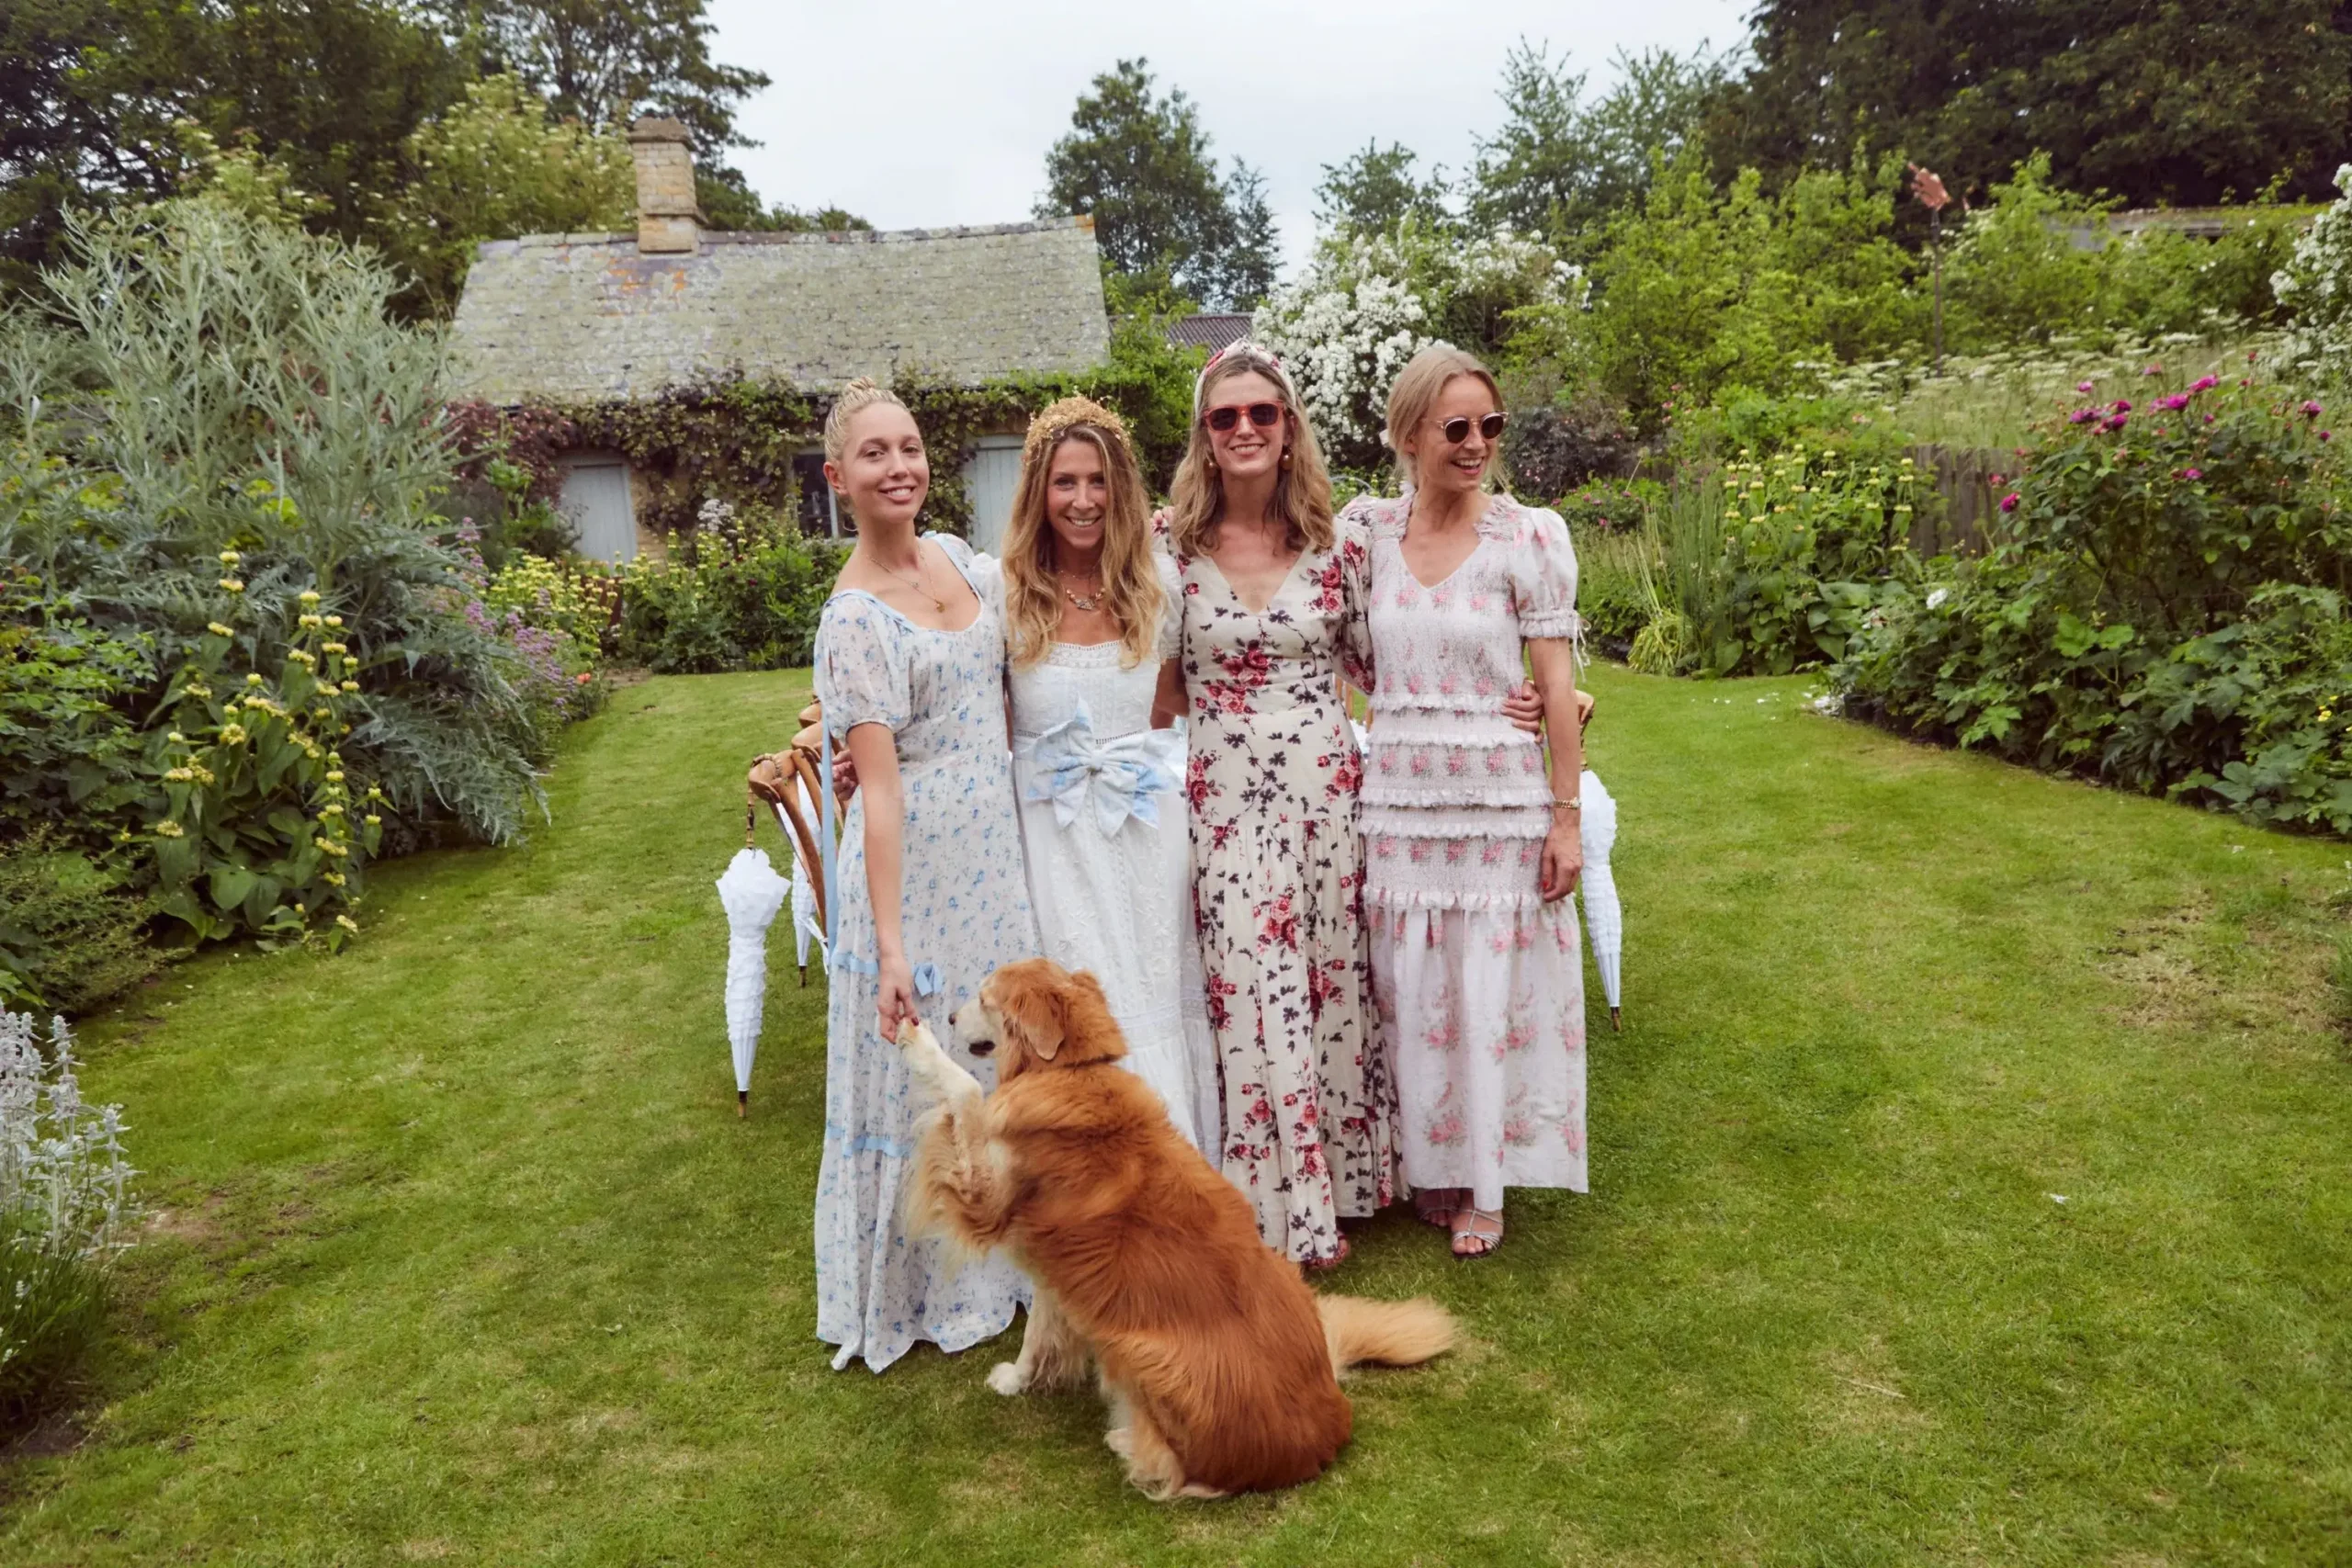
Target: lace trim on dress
1450 819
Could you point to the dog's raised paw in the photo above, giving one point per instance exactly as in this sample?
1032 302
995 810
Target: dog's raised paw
1007 1378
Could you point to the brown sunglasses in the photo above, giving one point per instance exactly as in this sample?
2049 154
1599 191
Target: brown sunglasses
1457 429
1265 416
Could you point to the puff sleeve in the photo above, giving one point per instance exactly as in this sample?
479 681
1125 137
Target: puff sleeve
1172 610
862 667
1353 548
1543 577
982 570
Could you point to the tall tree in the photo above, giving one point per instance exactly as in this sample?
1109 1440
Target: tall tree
1376 189
603 61
100 100
2154 101
1139 165
1560 164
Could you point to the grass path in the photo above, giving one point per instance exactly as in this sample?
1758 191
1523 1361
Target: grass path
466 1258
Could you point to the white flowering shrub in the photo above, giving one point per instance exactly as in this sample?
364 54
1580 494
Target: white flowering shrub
1367 303
2316 288
65 1209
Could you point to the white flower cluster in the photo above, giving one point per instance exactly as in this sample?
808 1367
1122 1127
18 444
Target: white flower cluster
1369 302
2317 287
64 1185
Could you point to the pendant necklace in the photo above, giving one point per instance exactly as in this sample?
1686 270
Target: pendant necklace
915 582
1090 603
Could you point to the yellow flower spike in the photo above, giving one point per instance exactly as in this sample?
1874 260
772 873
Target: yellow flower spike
373 821
230 557
170 830
347 923
197 689
176 738
351 685
253 677
309 596
217 630
302 908
334 879
233 735
335 775
178 775
232 585
334 620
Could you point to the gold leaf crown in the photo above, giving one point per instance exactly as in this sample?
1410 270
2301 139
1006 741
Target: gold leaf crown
1059 418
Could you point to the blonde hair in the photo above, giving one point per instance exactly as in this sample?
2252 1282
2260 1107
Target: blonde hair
1417 389
1302 489
854 399
1131 589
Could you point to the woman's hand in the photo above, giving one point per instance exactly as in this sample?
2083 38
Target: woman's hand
1563 856
895 995
1524 708
845 776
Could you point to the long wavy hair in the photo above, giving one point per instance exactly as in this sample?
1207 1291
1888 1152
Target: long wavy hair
1302 489
1131 590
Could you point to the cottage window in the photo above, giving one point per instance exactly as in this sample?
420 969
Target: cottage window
820 511
990 480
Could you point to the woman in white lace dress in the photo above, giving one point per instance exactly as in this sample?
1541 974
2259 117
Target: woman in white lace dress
929 896
1471 840
1090 615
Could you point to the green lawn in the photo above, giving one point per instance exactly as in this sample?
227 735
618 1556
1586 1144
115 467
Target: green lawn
466 1257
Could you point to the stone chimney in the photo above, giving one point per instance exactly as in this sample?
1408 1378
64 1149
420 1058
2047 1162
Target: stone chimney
668 222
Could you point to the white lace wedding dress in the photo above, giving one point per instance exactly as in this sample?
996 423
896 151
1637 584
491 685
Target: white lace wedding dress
1103 823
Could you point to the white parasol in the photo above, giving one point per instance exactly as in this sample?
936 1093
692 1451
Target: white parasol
753 893
1604 918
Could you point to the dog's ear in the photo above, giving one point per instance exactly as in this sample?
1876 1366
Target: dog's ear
1085 1018
1030 1004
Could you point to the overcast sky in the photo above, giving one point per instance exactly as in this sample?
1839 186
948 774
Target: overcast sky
925 113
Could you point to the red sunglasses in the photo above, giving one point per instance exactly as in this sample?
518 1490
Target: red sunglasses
1265 416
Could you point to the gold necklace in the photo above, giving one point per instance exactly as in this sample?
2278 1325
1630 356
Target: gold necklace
915 581
1088 604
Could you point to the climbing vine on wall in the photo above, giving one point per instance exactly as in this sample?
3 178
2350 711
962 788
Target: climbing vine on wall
733 438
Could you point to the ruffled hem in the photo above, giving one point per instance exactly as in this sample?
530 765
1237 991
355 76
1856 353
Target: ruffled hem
1386 819
1489 798
1398 899
1549 623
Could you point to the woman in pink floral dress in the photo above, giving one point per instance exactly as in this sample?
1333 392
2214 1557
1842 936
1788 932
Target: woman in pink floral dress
1472 844
1273 596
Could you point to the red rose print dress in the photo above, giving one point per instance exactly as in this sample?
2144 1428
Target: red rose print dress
1480 983
1277 876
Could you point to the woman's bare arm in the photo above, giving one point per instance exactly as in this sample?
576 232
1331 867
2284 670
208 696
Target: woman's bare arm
1168 703
874 751
1553 662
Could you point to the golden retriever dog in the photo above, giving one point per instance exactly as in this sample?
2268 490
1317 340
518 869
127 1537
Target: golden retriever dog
1220 1366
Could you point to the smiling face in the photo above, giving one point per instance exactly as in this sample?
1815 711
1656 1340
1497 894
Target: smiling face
1078 499
884 473
1446 466
1249 449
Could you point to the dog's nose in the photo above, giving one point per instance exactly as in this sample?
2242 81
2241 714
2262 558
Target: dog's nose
982 1048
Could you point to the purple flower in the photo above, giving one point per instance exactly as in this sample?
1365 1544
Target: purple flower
2192 473
2311 411
2323 435
2206 382
2122 405
2153 370
2178 401
2082 416
2086 386
2009 501
2115 422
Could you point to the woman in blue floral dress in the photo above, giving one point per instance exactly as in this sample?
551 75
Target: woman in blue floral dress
930 892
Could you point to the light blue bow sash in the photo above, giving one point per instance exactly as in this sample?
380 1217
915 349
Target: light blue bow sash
1106 780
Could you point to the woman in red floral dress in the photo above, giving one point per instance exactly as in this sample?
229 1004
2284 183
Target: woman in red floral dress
1273 595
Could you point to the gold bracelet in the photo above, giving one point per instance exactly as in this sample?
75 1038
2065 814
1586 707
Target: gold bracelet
1573 801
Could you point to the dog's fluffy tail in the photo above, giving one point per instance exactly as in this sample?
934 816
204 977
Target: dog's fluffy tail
1396 1334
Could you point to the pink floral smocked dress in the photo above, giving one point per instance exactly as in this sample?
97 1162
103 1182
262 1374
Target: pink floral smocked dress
1479 982
1277 875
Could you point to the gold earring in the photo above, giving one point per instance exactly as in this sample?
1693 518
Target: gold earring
1285 457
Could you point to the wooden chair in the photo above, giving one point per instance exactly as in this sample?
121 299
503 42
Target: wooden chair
792 783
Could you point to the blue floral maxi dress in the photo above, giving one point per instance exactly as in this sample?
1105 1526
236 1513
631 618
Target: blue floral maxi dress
963 910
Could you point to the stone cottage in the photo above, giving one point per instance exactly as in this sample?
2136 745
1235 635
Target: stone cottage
577 317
